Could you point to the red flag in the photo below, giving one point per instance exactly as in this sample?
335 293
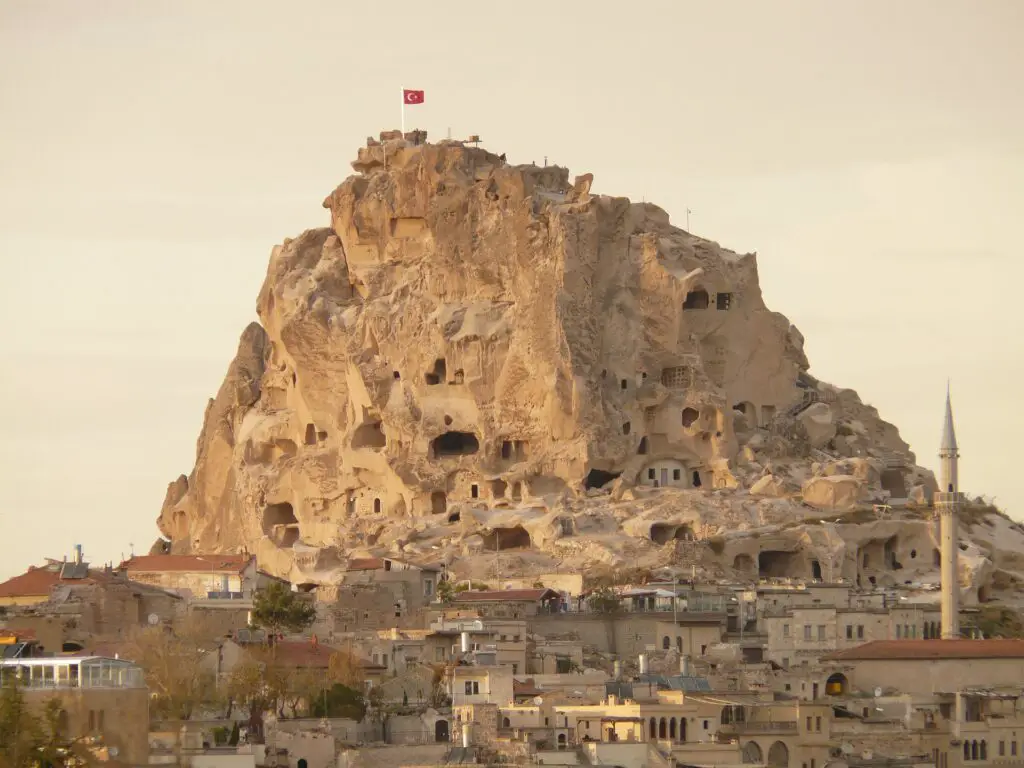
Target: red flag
412 97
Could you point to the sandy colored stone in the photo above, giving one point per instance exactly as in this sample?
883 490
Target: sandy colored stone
833 492
768 485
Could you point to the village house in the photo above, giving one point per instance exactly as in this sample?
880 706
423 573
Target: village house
508 603
99 697
213 577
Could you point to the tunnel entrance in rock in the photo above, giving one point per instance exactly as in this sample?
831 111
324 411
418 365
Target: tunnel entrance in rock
775 564
690 415
663 533
517 491
816 570
498 488
515 537
310 437
598 478
696 479
454 444
438 502
454 517
369 436
280 524
438 373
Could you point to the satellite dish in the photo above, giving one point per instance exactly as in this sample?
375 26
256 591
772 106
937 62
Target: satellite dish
113 751
153 619
878 692
538 700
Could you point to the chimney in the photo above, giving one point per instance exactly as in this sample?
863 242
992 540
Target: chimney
78 554
643 663
464 637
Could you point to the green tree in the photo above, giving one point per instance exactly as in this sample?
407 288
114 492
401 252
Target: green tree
21 731
603 600
277 608
445 591
340 701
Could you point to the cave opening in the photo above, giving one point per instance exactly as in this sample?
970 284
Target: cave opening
598 478
438 502
689 416
775 564
454 444
280 524
663 533
369 436
439 372
515 537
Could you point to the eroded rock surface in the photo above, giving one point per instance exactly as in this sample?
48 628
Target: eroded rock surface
476 356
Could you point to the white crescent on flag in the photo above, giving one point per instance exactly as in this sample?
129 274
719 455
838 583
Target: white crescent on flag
412 97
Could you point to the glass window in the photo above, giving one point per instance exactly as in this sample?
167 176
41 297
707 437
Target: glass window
807 631
785 630
849 631
860 631
821 632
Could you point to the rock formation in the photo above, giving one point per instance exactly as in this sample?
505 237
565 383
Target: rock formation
472 349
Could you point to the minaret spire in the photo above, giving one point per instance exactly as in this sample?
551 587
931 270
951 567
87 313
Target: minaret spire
947 504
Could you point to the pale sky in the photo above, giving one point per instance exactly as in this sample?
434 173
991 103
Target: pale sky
152 153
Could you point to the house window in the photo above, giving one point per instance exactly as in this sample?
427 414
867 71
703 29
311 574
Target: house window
809 723
1002 748
860 631
515 669
428 587
849 631
807 631
472 687
789 687
474 491
1013 748
785 663
821 632
398 611
650 473
439 654
785 630
676 474
723 300
898 631
705 725
817 724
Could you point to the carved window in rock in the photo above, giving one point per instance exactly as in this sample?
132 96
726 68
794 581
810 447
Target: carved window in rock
697 299
723 301
677 377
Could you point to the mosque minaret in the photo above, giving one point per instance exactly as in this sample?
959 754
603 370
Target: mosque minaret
947 506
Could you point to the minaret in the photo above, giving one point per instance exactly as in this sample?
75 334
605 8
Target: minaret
947 505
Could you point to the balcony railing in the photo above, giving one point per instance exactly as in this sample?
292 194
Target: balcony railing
783 726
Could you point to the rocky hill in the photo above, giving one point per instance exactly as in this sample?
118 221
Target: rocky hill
478 357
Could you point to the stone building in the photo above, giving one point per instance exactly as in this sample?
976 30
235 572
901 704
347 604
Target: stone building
99 697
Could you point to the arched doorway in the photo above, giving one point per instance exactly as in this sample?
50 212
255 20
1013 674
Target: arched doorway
303 763
752 753
561 741
662 728
778 755
441 731
672 728
837 685
654 729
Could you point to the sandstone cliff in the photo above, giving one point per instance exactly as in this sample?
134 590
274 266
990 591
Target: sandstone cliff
471 348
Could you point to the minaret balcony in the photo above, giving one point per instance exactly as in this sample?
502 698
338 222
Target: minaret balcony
947 499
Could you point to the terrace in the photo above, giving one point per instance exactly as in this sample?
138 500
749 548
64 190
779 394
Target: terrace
64 672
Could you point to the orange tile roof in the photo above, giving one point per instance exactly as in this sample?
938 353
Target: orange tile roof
365 564
187 563
504 595
37 582
930 650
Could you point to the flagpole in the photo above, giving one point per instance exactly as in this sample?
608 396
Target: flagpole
403 112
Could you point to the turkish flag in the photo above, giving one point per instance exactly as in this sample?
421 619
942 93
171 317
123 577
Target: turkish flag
412 97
